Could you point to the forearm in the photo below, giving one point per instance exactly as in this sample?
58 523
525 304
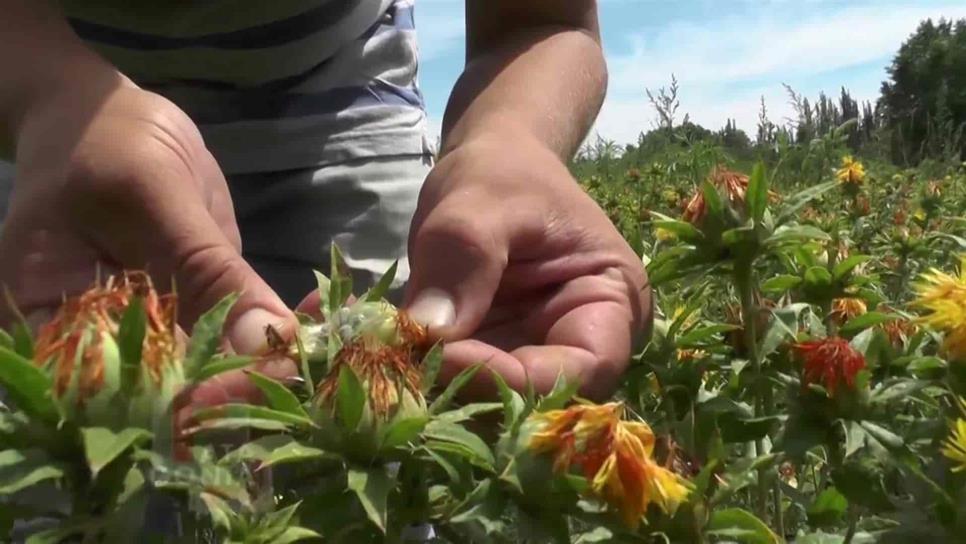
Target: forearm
541 80
40 57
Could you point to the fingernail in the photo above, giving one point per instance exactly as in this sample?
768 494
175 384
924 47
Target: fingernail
248 336
433 308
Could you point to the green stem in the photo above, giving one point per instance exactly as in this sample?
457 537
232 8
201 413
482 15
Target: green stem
744 280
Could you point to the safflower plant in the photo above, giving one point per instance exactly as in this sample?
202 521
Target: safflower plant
803 382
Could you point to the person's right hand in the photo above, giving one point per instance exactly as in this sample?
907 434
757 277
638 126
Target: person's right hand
119 178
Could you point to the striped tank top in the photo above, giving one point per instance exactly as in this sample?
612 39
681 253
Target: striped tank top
272 85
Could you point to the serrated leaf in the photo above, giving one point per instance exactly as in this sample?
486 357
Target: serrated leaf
295 534
431 365
28 386
558 397
781 283
277 395
828 508
102 445
20 469
221 365
324 286
350 398
372 487
381 287
258 449
740 475
457 383
340 280
795 234
211 414
890 440
694 337
469 411
741 526
470 445
866 320
798 201
130 342
757 193
23 341
712 199
513 403
236 423
848 265
682 229
206 336
404 430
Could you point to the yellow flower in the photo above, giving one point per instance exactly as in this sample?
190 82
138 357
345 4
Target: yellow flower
614 455
689 355
852 172
664 235
846 308
955 447
944 296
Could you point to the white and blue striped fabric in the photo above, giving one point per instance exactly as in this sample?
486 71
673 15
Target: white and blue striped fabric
273 85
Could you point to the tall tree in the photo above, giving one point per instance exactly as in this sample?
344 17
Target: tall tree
924 101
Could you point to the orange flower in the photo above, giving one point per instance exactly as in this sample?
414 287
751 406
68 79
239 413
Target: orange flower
846 308
78 331
690 355
384 369
614 455
831 362
900 217
733 185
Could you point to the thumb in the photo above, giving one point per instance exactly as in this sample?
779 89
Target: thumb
456 263
218 271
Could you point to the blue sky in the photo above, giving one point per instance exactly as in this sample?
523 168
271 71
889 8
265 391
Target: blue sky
726 54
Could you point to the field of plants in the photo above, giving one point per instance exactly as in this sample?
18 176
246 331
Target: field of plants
805 380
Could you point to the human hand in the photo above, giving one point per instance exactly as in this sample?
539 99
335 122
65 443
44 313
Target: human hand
516 267
119 178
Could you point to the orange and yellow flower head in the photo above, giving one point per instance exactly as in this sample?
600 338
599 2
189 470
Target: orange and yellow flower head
830 362
386 362
851 173
847 308
615 456
955 446
83 332
943 297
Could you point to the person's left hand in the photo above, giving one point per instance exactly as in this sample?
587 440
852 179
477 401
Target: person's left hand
514 266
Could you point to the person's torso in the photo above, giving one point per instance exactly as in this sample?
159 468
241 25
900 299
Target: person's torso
272 85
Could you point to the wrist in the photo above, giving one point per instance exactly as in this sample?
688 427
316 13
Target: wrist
501 134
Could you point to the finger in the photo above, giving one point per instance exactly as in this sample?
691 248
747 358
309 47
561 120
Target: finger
585 331
311 305
230 387
170 232
456 263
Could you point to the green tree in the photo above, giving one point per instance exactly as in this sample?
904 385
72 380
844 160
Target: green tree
924 101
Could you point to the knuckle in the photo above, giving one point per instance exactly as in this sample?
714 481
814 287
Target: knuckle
473 235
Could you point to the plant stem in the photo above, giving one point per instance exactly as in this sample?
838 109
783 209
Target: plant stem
744 280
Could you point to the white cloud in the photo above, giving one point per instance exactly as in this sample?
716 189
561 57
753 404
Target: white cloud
724 65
